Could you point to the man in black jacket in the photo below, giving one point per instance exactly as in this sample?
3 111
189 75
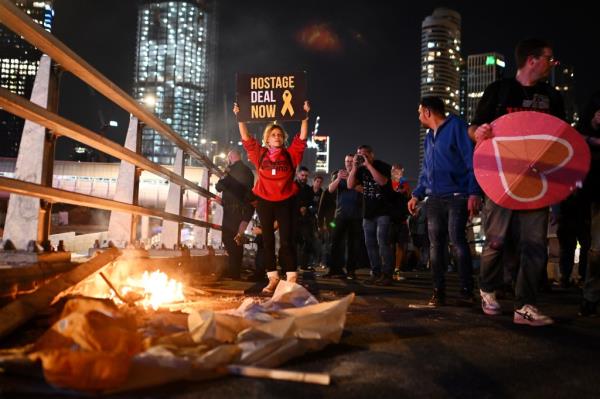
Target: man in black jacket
237 209
589 126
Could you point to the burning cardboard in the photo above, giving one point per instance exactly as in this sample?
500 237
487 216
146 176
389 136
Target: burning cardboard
97 346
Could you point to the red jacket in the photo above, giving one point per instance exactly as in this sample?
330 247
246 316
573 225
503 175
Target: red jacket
275 174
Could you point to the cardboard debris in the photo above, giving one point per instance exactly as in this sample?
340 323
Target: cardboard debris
98 347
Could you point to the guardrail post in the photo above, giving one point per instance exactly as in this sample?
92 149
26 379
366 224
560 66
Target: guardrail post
48 160
135 219
121 227
208 206
171 231
29 218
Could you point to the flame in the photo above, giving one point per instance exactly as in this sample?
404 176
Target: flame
156 288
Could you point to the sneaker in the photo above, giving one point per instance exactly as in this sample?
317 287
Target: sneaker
351 276
438 298
530 315
398 276
489 303
385 281
587 308
373 279
466 297
334 275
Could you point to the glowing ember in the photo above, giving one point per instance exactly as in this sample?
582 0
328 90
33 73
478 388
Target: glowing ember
155 289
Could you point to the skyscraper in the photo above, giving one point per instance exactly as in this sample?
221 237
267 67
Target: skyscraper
322 161
172 72
482 69
462 96
19 62
441 60
563 80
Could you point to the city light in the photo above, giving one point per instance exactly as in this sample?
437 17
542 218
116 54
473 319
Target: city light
150 100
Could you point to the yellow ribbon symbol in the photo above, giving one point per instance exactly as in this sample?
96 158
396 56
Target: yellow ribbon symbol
287 103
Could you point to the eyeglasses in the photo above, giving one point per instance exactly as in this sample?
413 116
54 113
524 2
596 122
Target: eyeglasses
550 59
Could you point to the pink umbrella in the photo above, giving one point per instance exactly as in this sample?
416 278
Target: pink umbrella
534 160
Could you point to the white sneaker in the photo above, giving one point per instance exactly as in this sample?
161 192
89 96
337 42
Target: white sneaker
273 281
489 303
291 277
531 316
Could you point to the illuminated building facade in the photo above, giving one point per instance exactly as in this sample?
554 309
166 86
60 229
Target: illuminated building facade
19 62
482 69
172 71
563 80
322 160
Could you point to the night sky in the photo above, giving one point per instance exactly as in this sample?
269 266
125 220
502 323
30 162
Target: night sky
365 91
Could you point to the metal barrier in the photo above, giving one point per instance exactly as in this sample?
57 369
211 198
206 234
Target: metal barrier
65 59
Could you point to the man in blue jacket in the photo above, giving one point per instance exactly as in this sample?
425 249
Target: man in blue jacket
448 182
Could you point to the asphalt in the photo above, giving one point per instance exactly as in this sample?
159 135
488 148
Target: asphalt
392 350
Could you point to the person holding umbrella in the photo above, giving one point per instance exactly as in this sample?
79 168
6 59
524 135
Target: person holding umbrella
527 91
275 190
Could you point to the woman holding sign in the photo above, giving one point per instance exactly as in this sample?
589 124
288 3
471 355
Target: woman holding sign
275 190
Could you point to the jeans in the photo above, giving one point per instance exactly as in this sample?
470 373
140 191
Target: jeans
447 218
379 245
527 230
591 288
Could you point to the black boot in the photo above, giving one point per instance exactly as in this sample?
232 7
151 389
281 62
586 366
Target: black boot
438 298
587 308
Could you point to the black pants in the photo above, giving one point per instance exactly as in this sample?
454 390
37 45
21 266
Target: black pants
346 236
232 217
574 224
282 212
305 231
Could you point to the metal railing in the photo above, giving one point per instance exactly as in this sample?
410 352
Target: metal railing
20 23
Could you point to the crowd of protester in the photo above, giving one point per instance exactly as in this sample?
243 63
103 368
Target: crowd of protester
365 214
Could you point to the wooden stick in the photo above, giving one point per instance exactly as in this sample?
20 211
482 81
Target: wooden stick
24 308
112 287
275 374
224 291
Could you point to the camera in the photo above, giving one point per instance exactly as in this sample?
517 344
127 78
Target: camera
360 159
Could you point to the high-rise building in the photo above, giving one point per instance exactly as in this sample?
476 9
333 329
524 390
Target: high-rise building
463 90
563 80
322 161
19 62
172 70
482 69
441 60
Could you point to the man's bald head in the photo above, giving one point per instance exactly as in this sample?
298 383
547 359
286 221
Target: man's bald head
233 156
